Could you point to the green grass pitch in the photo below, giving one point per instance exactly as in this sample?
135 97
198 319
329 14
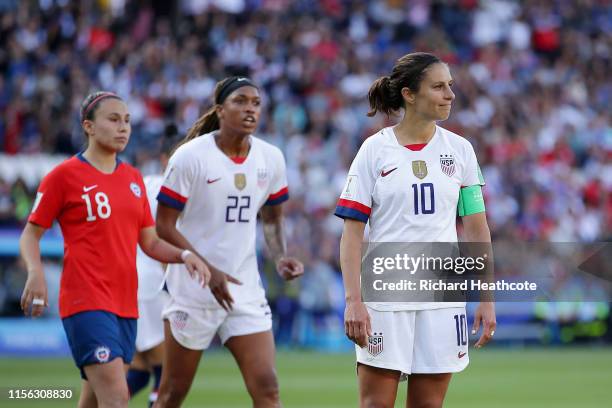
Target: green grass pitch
501 378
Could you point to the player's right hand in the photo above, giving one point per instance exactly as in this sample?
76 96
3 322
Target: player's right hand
197 269
219 289
357 324
35 288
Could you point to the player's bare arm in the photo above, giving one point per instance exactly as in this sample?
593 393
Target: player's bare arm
476 229
287 267
166 228
158 249
356 318
35 291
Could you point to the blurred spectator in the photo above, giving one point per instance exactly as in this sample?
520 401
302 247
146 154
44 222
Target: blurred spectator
21 197
531 96
7 208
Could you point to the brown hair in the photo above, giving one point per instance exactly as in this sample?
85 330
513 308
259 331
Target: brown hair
90 105
92 101
385 94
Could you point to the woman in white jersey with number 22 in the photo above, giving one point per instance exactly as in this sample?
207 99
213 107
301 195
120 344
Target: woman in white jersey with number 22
408 182
216 183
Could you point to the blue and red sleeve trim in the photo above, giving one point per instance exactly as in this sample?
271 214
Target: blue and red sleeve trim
171 199
279 197
353 210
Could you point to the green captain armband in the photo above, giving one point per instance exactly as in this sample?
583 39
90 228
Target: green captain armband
471 201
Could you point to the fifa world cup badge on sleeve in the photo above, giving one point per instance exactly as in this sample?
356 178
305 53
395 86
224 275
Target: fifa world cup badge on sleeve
39 196
375 344
350 188
419 168
240 181
170 174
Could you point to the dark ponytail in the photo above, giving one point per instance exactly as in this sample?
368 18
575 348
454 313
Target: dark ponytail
385 94
384 98
206 123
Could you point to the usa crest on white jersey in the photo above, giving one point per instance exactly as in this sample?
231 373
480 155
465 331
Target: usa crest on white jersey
447 164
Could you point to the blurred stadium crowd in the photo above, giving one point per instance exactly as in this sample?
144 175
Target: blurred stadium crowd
533 90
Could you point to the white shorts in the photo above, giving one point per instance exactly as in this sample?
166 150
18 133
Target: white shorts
417 341
194 328
150 326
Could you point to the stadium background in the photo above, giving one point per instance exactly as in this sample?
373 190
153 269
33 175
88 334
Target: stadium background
533 93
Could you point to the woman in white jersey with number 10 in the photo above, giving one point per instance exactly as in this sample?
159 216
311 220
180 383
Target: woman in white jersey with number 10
217 182
409 181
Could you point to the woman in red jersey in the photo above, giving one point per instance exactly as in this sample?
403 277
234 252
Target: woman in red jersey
102 208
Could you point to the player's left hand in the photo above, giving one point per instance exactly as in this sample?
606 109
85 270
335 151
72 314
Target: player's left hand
289 268
197 269
485 312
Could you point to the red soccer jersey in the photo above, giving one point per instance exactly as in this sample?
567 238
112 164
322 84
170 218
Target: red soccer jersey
101 216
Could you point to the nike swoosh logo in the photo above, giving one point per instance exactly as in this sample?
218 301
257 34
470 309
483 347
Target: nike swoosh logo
86 189
461 355
209 181
386 173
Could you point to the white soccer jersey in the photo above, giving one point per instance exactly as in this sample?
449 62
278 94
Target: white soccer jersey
407 195
150 271
219 198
